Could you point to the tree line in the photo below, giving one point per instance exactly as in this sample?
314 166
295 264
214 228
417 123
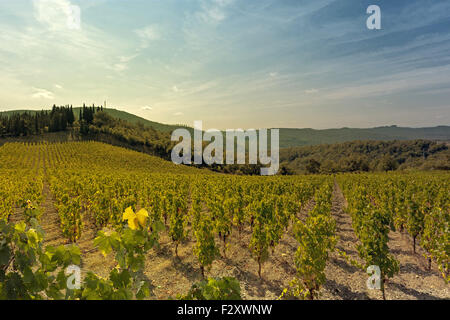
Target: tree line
26 124
367 156
59 118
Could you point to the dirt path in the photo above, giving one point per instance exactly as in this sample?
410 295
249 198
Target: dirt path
344 281
50 221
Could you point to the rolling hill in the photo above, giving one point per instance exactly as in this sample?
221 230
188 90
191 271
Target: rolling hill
367 156
293 137
93 156
113 113
309 137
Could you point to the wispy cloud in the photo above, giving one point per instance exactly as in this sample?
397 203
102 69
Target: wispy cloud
41 45
423 79
193 88
42 94
213 11
311 91
119 67
54 14
147 35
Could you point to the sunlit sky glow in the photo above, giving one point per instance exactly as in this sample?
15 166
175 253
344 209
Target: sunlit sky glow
232 63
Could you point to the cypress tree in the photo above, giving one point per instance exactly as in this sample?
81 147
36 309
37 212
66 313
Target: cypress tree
70 116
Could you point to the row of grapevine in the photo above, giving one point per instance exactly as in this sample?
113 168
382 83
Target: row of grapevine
416 203
21 179
316 238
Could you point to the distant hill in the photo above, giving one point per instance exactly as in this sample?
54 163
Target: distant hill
306 137
367 156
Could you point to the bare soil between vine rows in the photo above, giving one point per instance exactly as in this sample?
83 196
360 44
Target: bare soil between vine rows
171 275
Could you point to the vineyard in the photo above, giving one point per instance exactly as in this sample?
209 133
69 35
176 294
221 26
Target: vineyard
308 237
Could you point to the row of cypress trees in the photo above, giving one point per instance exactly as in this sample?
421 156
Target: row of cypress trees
59 118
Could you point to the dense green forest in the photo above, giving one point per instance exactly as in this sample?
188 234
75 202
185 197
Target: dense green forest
26 124
367 156
60 118
118 114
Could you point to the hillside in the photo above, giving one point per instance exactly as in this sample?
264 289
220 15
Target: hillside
113 113
292 137
304 137
367 156
88 155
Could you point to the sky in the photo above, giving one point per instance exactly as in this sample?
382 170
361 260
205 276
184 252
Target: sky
232 63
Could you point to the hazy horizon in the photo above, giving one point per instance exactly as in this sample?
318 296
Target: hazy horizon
232 63
206 127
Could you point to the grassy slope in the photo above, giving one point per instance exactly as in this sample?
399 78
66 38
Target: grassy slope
306 137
